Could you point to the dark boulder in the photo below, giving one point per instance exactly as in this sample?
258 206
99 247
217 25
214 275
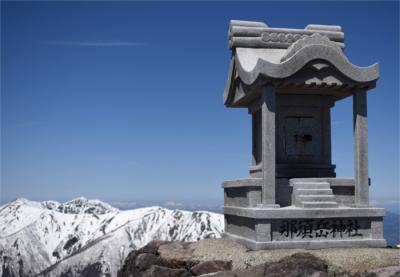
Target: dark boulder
162 271
152 246
159 258
210 267
145 260
129 268
175 259
297 265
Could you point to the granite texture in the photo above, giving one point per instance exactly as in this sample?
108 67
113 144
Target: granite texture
360 148
289 79
259 35
283 56
268 146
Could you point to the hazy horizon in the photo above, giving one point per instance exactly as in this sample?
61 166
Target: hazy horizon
191 203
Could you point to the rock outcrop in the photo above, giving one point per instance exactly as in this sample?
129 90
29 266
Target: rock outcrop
299 264
225 258
169 259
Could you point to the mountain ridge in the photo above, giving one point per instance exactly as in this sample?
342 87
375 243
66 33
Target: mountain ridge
50 238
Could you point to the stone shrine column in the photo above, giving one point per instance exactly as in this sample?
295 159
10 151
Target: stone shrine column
361 189
268 146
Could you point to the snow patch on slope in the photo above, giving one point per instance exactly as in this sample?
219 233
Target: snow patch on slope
53 238
88 206
17 215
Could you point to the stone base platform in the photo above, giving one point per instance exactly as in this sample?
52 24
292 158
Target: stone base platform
254 245
291 227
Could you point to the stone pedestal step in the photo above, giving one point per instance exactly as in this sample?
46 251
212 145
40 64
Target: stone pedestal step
316 197
312 194
313 191
311 185
319 204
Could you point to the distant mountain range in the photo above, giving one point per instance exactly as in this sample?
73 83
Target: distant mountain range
391 228
69 239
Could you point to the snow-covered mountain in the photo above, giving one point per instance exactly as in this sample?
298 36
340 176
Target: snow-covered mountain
83 236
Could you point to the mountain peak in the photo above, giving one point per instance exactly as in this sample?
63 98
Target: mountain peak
50 204
23 202
84 205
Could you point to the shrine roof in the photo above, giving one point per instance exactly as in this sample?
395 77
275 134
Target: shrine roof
262 54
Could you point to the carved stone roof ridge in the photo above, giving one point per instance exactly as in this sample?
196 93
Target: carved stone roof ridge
259 35
263 54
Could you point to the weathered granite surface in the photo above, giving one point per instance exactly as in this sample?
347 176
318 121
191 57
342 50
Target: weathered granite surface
223 258
174 259
289 80
261 53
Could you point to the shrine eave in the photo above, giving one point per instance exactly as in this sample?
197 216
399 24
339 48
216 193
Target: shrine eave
305 55
314 61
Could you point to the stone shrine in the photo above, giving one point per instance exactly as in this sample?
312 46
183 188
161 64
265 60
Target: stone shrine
289 79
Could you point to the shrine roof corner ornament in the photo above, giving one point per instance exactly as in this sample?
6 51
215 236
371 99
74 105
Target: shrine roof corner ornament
310 59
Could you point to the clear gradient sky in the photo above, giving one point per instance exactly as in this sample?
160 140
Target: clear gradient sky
123 100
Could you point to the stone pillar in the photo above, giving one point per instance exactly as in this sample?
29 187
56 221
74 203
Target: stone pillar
361 189
268 146
256 136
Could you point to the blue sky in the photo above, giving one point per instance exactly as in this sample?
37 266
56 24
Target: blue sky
123 100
